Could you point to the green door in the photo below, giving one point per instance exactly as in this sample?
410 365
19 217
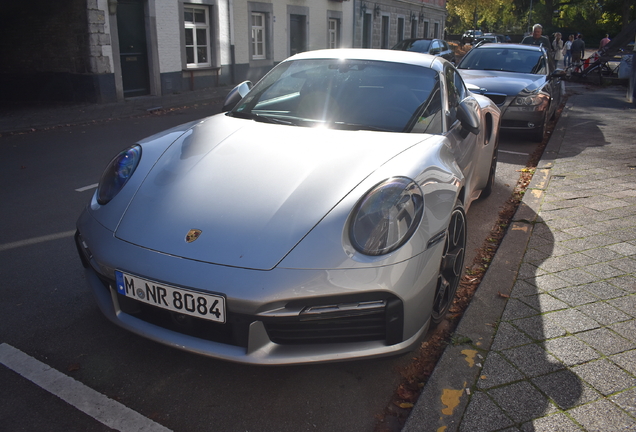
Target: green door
131 28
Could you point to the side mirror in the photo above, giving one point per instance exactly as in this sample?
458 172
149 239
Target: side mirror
467 116
235 95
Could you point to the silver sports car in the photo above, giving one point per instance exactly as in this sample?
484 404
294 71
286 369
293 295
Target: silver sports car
321 218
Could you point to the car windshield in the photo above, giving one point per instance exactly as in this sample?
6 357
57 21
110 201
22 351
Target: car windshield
421 46
347 94
504 59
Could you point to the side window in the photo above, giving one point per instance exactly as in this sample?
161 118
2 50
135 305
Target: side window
453 94
196 20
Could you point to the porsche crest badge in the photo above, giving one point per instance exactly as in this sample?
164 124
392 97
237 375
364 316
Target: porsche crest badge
192 235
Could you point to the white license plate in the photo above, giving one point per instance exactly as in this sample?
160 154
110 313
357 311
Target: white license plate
206 306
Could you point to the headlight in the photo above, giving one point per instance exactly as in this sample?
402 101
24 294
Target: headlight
386 217
533 100
117 173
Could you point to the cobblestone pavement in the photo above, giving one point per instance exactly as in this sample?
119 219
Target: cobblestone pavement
553 334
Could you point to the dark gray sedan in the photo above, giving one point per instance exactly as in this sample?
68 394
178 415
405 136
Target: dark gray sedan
520 79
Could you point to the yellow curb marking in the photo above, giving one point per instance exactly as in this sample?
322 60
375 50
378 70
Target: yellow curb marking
450 398
470 356
442 429
516 227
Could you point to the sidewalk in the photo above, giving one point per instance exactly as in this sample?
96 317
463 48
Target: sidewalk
552 327
15 119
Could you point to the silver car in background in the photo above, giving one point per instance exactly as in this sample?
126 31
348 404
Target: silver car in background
520 79
322 218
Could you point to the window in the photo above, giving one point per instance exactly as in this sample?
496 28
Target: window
436 32
385 32
334 27
413 29
258 36
426 34
197 36
400 29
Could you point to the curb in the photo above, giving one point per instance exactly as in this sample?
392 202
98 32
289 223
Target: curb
444 399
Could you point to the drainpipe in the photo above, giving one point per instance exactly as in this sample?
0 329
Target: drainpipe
230 15
353 39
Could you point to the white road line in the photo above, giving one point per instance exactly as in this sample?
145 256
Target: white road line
36 240
511 152
105 410
85 188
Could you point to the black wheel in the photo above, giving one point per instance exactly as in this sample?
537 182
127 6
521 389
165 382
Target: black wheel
485 193
452 264
539 132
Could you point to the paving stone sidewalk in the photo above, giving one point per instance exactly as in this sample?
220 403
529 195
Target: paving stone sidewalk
562 355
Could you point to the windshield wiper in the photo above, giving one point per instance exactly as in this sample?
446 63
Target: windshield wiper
355 126
259 118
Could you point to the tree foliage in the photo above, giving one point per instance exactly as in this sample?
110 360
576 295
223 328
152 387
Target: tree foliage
593 17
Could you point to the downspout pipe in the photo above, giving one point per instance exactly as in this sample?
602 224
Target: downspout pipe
230 15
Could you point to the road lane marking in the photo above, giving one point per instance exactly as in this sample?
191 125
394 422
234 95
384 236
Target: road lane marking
511 152
36 240
85 188
103 409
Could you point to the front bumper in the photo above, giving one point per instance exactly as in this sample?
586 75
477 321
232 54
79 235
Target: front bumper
264 321
515 117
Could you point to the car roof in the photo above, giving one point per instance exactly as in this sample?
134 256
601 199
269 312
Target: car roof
501 46
395 56
418 39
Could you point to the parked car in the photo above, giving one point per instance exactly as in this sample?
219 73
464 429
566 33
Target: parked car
487 38
436 47
322 218
469 36
520 79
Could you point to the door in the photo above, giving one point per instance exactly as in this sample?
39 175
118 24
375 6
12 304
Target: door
297 34
133 51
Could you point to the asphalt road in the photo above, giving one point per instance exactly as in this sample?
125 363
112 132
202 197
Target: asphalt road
49 315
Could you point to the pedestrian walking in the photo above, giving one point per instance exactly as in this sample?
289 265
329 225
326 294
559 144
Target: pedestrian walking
567 51
557 49
578 49
537 38
604 42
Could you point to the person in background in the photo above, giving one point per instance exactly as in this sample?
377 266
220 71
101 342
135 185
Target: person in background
537 38
567 51
604 41
557 48
578 49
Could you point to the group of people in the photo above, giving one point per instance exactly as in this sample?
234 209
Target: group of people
570 51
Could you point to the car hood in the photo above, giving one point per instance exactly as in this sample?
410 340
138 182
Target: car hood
508 83
254 191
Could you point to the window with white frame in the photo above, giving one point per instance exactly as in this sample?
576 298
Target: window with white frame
334 25
258 36
197 36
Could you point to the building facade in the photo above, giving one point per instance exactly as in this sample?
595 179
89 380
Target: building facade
109 50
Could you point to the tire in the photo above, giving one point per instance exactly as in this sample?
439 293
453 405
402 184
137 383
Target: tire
539 132
485 193
452 264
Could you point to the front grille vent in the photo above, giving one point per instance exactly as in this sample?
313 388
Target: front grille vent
361 328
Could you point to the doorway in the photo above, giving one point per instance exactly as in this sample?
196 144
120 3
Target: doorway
133 50
297 34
